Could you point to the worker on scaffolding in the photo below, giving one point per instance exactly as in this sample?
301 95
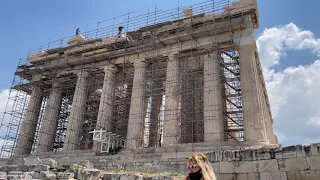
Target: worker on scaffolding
120 30
77 31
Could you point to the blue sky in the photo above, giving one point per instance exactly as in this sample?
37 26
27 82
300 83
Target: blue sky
28 24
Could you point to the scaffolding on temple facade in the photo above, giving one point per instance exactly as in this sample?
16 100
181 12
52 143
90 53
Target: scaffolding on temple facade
136 31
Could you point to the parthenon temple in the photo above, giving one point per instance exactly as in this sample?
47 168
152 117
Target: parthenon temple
186 77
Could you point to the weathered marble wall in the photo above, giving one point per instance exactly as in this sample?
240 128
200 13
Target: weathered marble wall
289 163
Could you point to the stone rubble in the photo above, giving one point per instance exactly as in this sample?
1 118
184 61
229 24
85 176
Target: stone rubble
49 169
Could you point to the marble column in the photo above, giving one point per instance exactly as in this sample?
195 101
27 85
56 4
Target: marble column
171 124
137 107
198 123
105 113
212 99
254 127
154 119
29 124
76 117
50 119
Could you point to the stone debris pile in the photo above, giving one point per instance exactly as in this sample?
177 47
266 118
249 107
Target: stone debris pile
49 169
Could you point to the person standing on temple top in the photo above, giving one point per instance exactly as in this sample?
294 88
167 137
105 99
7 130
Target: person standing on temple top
199 168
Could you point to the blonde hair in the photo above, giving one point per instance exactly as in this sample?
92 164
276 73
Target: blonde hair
202 161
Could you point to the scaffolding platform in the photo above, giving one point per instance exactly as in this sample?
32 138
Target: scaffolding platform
107 141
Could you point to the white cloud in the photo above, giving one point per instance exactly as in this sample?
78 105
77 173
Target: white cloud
5 105
4 94
293 92
314 121
273 43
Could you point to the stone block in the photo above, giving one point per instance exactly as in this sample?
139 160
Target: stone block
88 174
110 177
228 156
3 175
86 164
122 177
15 173
314 162
13 168
47 175
247 155
273 176
19 175
225 176
64 161
216 167
49 162
29 173
4 168
315 149
76 168
243 166
265 166
25 177
215 156
287 152
147 166
36 175
263 155
297 164
227 167
38 168
248 176
294 175
32 160
13 177
159 178
65 175
287 155
309 175
20 168
303 151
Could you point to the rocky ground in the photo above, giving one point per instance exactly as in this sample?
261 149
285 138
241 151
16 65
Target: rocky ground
48 169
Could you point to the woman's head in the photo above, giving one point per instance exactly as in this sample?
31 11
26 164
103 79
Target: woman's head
200 162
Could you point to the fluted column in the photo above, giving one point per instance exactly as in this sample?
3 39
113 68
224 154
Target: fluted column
76 117
213 117
50 119
107 99
171 128
254 127
154 119
29 124
137 107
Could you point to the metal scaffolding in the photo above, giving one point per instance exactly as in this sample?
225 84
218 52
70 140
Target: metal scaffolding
138 31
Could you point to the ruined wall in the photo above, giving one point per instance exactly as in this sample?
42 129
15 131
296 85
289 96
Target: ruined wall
290 163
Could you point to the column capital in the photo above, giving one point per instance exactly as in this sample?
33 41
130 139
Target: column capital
81 72
36 78
139 63
171 54
246 40
56 84
110 68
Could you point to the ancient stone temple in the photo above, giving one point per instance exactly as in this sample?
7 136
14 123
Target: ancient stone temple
183 80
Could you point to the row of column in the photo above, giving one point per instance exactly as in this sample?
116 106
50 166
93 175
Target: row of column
254 124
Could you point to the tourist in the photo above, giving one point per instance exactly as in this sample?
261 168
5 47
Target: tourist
199 168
